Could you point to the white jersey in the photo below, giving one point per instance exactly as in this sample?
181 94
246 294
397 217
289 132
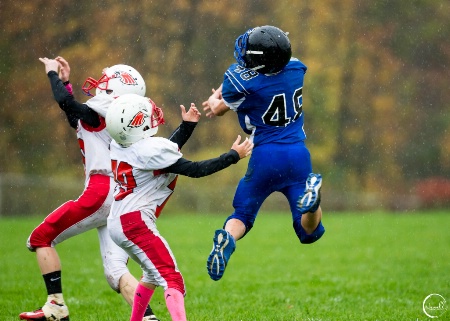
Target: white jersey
141 186
94 143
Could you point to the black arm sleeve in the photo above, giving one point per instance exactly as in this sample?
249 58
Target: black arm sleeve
181 135
203 168
73 109
72 119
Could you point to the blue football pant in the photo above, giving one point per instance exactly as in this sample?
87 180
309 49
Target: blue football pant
272 168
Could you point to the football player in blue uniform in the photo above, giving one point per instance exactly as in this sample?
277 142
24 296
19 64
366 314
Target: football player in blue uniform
265 89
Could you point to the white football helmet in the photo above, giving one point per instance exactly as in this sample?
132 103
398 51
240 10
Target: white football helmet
116 81
131 118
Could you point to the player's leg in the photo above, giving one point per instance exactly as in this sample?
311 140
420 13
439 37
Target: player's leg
41 241
175 304
116 272
50 267
311 220
236 228
136 233
71 218
224 244
297 184
251 192
308 226
128 285
246 203
160 268
142 297
49 263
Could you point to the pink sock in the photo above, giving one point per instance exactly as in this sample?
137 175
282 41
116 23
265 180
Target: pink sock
142 297
175 304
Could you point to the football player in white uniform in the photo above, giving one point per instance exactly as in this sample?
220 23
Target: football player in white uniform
92 208
145 169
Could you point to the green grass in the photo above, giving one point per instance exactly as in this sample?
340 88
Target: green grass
368 266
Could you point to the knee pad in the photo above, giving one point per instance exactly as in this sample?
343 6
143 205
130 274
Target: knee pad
308 238
42 236
30 248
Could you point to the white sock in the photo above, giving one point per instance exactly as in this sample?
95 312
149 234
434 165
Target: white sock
57 297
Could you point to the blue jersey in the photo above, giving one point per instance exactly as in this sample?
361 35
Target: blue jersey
269 107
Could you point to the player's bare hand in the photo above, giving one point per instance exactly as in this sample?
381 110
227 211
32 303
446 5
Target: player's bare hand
215 105
244 149
64 71
50 64
192 115
212 101
207 109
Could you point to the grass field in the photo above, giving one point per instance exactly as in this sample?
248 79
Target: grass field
368 266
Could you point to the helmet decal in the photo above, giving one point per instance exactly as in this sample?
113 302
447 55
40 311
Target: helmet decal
138 120
125 78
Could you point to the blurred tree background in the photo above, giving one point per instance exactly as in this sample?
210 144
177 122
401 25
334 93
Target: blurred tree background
376 95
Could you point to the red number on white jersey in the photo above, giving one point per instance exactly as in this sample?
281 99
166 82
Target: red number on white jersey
123 175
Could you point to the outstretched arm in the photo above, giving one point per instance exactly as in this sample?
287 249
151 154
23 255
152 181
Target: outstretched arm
211 166
190 119
215 105
73 109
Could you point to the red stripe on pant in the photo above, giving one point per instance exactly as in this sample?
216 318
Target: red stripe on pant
154 248
72 212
